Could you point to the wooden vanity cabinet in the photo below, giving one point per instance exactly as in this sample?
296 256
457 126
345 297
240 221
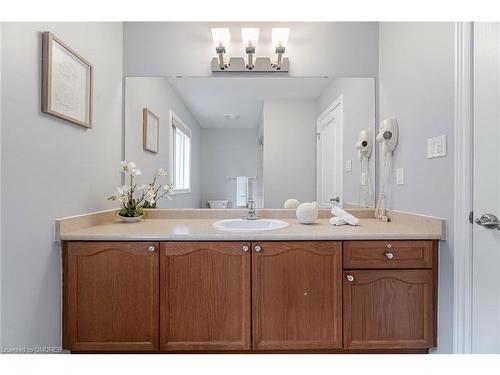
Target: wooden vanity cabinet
334 296
110 296
204 296
297 295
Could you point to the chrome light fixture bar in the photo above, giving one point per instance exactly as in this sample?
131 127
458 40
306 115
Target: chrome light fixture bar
250 38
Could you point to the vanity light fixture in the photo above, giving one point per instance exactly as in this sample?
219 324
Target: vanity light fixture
250 37
280 40
221 38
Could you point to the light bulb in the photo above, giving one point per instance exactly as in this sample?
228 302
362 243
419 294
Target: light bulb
221 37
250 36
280 37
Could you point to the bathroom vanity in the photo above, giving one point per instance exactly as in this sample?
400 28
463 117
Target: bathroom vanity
186 287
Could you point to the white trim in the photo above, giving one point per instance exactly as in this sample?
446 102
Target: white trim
463 159
330 108
180 191
324 117
187 130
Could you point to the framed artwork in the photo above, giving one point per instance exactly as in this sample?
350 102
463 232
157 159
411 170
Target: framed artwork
151 131
67 82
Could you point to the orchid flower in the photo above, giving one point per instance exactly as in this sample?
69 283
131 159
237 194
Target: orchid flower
133 204
161 172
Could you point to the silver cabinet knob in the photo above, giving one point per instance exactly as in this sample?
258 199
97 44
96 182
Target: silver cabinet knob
488 221
257 248
389 255
389 246
350 278
245 248
151 249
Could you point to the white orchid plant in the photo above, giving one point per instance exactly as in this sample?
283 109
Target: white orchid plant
134 199
155 193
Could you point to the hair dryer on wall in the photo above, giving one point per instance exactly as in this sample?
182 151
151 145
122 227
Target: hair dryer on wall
388 138
365 148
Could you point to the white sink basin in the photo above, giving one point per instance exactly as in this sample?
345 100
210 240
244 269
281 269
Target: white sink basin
243 225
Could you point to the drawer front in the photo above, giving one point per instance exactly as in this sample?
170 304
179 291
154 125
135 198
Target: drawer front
387 254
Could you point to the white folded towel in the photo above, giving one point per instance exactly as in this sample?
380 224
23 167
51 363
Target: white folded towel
350 219
337 221
241 191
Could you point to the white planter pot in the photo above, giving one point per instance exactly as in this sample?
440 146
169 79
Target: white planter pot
127 219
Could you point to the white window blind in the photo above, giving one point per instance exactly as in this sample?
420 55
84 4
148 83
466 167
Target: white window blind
181 155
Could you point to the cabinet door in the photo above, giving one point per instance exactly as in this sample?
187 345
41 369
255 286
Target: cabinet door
388 309
111 296
297 298
205 296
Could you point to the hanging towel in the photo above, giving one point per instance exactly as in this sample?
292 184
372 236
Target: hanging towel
241 191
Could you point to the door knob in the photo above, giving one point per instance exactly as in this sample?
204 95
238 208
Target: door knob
151 249
257 248
350 278
245 248
389 255
488 221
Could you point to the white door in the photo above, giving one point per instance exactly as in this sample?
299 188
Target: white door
486 190
329 128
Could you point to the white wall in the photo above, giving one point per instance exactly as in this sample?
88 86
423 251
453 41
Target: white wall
51 169
359 113
315 48
227 152
156 94
289 151
417 87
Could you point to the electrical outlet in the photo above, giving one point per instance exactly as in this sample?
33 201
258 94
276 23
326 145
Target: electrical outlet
348 165
400 176
436 147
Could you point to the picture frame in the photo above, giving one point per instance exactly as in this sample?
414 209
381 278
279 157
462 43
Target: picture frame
151 131
67 82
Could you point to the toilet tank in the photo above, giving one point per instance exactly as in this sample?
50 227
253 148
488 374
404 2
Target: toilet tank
222 203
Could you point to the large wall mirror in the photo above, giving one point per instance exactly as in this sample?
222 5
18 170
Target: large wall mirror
225 140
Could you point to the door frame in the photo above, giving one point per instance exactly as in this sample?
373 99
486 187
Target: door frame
463 188
339 101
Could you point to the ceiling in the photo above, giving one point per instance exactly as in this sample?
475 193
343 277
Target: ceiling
209 99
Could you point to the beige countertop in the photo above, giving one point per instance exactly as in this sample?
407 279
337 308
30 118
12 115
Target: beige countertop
104 227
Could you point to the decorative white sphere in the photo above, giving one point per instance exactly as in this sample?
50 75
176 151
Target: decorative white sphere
307 213
291 203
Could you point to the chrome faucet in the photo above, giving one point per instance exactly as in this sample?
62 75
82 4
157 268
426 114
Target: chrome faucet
251 210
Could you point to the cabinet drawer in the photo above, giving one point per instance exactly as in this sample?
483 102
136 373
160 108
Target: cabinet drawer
387 254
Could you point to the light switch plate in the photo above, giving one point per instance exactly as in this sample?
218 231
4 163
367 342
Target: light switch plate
348 165
400 176
436 147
